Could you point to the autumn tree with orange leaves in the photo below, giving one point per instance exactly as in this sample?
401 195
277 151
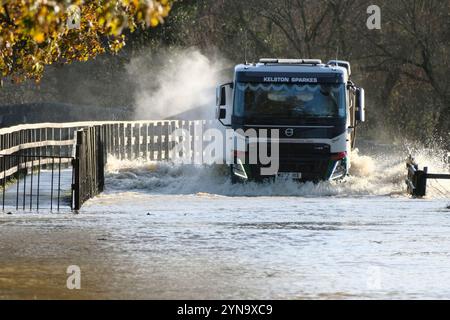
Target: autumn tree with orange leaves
36 33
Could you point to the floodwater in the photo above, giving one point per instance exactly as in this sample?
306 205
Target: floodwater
163 231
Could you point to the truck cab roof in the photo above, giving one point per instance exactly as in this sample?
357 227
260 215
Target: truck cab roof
279 69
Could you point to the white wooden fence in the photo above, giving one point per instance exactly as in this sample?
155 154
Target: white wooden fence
26 147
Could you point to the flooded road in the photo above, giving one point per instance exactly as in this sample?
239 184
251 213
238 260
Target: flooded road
162 231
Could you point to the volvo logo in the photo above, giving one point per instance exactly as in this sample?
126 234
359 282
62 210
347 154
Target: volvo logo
289 132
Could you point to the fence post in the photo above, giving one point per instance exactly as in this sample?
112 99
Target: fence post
129 144
137 141
421 183
117 141
144 146
151 140
76 163
100 159
159 137
122 141
166 134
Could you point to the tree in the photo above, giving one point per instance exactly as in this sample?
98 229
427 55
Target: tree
35 33
404 66
412 50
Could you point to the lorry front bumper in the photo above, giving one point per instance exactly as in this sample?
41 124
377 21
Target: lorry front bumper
307 168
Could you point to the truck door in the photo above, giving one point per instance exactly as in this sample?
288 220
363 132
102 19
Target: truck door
352 113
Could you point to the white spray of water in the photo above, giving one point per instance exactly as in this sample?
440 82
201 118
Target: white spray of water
379 175
170 84
362 166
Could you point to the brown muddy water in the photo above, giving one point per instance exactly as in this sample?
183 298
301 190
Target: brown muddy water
163 231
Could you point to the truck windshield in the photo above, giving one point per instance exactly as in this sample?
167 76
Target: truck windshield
289 101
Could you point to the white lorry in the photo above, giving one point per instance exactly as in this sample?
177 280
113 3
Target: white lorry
314 107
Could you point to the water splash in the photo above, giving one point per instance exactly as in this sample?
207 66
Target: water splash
375 175
362 166
173 82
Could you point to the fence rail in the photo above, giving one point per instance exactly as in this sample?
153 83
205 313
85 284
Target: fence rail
153 140
83 147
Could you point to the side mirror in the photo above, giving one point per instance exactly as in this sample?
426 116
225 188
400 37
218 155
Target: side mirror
360 105
221 102
224 103
221 96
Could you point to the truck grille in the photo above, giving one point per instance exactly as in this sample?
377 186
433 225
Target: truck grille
311 160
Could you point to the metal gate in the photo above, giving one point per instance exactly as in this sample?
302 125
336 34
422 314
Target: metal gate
32 182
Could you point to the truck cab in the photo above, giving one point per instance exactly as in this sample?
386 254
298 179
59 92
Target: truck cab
314 108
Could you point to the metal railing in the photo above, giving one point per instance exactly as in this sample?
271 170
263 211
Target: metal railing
31 160
24 187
